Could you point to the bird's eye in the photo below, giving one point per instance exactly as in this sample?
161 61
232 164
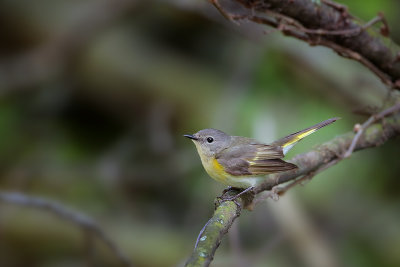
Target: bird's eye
210 139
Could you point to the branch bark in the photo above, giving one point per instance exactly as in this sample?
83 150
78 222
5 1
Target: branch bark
324 155
376 135
327 24
211 236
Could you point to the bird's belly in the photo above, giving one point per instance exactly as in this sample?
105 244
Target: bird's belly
244 181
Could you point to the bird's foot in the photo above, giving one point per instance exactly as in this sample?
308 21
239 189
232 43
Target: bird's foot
231 198
227 195
226 190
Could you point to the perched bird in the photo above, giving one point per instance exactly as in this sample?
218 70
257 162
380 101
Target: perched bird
243 162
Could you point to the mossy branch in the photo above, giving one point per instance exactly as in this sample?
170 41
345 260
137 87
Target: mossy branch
323 155
328 24
211 236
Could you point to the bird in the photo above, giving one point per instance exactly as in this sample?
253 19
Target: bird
242 162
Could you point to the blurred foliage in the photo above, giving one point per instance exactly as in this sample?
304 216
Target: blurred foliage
99 127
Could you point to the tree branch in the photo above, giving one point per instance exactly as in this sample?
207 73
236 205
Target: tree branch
310 163
375 135
327 24
211 235
81 220
366 124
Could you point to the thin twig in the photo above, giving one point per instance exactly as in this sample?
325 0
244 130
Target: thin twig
226 14
345 32
366 124
65 213
201 232
348 53
295 23
280 190
341 8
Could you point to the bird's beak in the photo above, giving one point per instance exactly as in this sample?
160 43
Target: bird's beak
191 136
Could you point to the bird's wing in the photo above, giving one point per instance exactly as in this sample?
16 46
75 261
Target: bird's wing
247 157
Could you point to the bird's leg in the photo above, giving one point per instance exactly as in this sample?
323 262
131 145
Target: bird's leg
234 198
238 195
223 198
226 190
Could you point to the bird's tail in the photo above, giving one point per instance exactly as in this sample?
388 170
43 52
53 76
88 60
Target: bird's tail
289 141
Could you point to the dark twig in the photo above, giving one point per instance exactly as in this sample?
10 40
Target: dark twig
345 32
348 53
79 219
341 8
224 13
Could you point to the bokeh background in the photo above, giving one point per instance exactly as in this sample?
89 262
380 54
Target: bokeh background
95 96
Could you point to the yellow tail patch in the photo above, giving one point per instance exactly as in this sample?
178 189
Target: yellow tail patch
299 137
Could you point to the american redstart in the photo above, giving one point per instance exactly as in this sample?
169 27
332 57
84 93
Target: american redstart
243 162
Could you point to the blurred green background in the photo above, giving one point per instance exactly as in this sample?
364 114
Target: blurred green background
96 95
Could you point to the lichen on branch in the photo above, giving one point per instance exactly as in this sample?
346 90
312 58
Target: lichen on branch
224 215
329 24
323 155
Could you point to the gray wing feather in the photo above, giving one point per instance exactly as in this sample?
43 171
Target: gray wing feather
248 157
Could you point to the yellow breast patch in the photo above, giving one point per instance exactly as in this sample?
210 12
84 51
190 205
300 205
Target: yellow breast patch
218 168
